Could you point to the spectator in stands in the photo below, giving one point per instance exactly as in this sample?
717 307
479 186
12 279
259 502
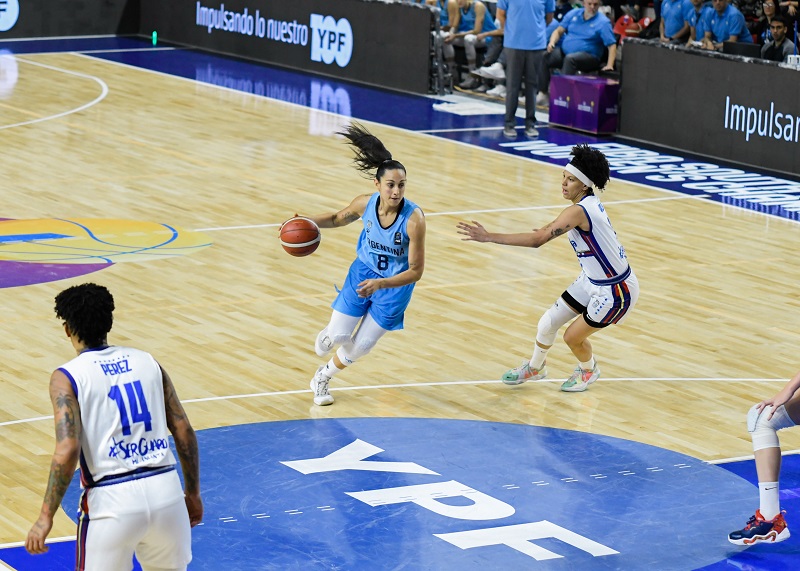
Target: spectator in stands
524 22
724 24
492 70
468 18
492 75
673 27
760 28
586 35
695 17
780 46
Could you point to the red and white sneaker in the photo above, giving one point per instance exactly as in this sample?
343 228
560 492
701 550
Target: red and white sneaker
760 530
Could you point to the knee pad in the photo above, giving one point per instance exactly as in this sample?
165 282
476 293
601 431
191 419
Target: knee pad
348 353
552 320
765 432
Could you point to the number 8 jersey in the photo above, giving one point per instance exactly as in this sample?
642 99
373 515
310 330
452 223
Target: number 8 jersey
385 250
124 427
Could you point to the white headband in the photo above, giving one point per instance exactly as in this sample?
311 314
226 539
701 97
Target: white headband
579 175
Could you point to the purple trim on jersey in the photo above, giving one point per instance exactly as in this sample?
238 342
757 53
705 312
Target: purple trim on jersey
613 281
83 532
596 252
137 474
71 381
589 218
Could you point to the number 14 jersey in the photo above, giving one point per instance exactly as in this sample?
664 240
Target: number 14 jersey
124 428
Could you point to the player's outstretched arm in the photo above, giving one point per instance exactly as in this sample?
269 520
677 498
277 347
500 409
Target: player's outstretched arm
345 216
67 415
571 217
186 446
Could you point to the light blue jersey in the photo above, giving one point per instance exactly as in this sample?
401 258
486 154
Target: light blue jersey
382 253
385 250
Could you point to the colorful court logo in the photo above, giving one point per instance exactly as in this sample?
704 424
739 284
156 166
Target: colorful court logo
50 249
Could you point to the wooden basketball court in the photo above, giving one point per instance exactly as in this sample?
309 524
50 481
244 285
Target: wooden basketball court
715 329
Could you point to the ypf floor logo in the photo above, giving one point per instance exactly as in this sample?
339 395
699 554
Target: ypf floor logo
9 12
332 40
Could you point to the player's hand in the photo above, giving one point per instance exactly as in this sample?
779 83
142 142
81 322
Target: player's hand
779 399
368 287
474 232
194 505
34 544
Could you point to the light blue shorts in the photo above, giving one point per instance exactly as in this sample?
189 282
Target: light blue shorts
386 306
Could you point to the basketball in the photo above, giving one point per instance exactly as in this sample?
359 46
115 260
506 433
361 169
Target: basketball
300 236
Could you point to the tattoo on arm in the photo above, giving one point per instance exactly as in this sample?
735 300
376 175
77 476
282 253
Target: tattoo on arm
350 216
555 232
184 437
57 484
66 425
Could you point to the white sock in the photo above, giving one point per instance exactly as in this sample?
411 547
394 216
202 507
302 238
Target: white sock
588 365
539 355
330 369
769 496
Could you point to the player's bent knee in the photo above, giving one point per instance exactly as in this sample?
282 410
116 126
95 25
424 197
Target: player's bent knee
546 331
763 431
354 351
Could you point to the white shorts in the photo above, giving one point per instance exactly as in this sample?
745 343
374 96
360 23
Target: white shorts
603 305
147 517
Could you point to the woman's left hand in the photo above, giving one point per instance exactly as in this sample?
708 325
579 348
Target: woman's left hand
368 287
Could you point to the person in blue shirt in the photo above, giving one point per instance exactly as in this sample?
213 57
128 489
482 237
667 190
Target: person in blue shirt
724 24
390 260
674 27
586 34
468 18
524 23
695 17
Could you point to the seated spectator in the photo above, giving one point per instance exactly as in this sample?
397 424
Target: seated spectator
695 16
673 27
468 18
492 76
760 28
482 79
724 24
779 47
586 34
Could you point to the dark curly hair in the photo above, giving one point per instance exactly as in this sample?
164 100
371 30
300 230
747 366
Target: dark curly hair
592 163
370 151
87 309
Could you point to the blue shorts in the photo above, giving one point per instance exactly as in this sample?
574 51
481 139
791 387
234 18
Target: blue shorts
386 306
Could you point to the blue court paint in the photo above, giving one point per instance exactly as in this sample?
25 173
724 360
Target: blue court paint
593 492
11 238
784 556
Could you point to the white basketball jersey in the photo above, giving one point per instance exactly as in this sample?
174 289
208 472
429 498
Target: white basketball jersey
121 395
599 252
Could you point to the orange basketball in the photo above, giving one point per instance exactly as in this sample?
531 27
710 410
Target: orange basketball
300 236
